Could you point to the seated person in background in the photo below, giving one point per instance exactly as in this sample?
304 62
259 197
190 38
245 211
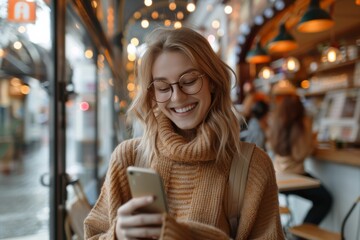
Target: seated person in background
258 124
251 97
292 141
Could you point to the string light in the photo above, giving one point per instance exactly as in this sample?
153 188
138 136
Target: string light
191 6
291 64
266 73
228 9
148 3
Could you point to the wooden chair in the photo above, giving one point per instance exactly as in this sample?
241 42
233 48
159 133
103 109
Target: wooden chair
314 232
284 210
286 219
76 212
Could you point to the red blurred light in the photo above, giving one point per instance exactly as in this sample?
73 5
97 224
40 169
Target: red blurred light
84 106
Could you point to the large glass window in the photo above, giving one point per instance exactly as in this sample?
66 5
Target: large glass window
25 47
28 83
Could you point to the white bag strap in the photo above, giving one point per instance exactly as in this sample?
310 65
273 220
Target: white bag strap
237 184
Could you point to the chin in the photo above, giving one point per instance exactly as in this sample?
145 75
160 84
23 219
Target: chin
186 127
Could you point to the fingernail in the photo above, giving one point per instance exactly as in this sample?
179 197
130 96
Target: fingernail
150 199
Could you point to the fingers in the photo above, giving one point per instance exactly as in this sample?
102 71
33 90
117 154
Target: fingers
131 206
133 225
153 233
147 226
140 220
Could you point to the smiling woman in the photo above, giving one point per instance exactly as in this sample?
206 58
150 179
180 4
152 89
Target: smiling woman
187 103
191 136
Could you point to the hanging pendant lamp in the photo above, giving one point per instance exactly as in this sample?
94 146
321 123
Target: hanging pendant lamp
257 55
283 42
315 19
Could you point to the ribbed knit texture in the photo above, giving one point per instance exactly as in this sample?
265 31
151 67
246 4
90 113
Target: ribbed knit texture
196 189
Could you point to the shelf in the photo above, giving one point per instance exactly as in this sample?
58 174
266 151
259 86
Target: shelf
322 93
333 66
340 156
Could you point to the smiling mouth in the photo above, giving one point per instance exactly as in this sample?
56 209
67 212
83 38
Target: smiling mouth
184 109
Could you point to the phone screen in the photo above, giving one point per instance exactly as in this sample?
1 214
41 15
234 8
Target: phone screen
147 182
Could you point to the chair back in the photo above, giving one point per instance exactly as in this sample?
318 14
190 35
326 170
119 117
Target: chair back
347 217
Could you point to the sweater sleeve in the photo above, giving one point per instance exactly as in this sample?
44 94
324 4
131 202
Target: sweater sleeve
100 223
173 230
260 218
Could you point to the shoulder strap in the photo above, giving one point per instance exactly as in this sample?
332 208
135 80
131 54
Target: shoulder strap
237 184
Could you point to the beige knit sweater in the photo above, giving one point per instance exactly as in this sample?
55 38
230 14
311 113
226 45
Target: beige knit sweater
196 188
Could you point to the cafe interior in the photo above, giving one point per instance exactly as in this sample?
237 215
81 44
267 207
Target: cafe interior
312 46
309 45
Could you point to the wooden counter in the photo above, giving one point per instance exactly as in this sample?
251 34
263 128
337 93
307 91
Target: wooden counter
349 156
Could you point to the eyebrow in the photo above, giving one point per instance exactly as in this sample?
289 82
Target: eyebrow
180 75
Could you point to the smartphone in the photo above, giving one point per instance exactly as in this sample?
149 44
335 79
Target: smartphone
147 182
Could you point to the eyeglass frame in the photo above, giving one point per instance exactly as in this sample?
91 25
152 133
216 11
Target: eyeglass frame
200 76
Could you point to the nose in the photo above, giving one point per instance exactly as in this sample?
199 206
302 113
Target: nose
177 94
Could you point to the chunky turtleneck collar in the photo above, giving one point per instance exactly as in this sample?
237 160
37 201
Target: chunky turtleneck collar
175 147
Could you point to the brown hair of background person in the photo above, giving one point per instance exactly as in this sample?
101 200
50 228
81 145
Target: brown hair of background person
257 126
292 141
191 135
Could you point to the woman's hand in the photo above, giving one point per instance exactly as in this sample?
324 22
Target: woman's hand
132 224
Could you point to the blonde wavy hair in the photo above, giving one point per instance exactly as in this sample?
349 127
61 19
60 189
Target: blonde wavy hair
221 117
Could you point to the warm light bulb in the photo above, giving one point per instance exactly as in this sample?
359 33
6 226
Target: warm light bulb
148 3
331 55
130 87
167 22
89 54
177 24
190 7
145 23
291 64
180 15
266 73
228 9
155 15
172 6
17 45
21 29
305 84
24 89
134 41
215 24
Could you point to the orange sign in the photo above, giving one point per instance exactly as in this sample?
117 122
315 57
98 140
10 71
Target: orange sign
21 11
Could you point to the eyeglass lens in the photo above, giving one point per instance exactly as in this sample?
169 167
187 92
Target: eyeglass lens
189 83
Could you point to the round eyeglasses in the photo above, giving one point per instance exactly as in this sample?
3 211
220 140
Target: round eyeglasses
189 83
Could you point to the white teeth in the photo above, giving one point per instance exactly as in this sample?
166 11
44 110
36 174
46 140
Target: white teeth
185 109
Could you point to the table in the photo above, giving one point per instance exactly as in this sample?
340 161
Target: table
288 182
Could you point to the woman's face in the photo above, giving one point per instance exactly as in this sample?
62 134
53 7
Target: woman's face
185 111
